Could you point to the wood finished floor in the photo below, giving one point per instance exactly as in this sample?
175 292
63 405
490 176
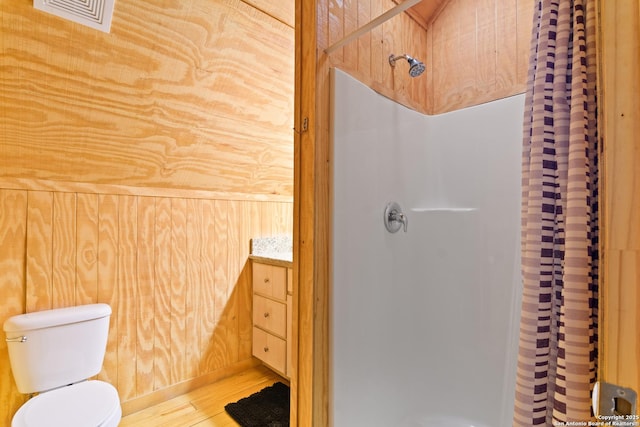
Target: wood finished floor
204 406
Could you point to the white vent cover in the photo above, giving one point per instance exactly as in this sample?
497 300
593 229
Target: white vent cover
92 13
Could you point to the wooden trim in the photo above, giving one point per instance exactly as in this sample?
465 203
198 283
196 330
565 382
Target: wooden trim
143 402
601 201
205 405
310 225
81 187
619 89
295 270
303 199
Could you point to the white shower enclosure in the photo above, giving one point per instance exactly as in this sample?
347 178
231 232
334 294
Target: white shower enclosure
424 323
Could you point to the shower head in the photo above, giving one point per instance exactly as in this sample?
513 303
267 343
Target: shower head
415 67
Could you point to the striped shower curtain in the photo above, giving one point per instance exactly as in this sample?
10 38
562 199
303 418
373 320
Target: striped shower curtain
558 329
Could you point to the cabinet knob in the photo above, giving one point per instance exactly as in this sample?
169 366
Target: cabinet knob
266 280
266 349
266 314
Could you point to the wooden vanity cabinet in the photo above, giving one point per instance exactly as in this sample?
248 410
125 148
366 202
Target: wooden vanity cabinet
272 316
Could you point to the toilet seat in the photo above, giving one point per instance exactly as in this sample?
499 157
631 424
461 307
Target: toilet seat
85 404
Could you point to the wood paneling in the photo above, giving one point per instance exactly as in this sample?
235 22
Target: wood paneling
196 94
13 229
86 233
480 52
619 49
134 168
367 57
425 11
64 248
39 269
146 285
108 293
475 51
126 316
175 272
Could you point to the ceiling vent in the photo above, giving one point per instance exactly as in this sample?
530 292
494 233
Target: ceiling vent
92 13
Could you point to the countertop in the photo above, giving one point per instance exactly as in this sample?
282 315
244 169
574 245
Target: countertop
276 250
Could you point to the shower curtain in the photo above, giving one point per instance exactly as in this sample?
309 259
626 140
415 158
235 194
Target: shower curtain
558 329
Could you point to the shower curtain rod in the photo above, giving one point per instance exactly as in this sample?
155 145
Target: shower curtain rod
371 25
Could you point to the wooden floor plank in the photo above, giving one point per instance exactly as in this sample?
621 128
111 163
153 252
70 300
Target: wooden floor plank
204 407
220 388
220 420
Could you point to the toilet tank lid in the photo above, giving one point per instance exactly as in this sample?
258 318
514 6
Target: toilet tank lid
56 317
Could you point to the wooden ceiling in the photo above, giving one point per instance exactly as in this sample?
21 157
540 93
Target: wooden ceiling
425 11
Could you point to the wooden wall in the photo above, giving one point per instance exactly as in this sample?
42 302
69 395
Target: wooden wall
474 53
477 51
367 57
194 94
174 270
134 168
620 198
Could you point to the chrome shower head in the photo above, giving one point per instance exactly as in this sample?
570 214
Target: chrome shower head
415 67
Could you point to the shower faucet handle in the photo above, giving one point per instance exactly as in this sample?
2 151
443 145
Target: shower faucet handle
394 218
399 216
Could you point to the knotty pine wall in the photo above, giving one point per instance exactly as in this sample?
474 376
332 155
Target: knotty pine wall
134 168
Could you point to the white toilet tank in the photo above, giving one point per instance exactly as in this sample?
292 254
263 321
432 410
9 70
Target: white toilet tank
54 348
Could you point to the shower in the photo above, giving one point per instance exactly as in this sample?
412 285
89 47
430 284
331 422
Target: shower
415 67
424 322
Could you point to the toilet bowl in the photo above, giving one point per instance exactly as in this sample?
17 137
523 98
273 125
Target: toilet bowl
53 353
90 403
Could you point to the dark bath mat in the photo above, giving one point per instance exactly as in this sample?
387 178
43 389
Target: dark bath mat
267 408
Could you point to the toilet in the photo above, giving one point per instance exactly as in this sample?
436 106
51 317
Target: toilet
53 353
